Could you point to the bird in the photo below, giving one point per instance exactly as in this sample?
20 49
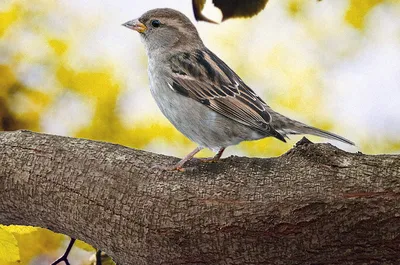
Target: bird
201 95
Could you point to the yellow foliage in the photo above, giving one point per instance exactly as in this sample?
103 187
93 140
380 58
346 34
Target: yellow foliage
59 46
143 135
369 146
98 84
9 245
28 106
101 90
19 229
8 17
7 79
358 10
9 251
39 242
303 86
270 146
19 244
295 6
83 245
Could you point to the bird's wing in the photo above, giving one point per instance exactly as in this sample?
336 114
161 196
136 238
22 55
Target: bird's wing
205 78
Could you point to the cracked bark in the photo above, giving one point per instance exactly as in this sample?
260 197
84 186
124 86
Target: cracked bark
315 204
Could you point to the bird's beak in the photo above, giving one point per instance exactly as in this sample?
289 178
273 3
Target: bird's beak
135 24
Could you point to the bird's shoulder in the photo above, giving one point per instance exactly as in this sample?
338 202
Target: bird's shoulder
202 65
203 76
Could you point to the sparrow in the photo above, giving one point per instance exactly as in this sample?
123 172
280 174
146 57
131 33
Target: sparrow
200 94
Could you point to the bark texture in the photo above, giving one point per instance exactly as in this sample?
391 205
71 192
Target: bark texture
315 204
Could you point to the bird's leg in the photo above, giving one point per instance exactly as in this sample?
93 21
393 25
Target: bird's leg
215 158
64 257
180 164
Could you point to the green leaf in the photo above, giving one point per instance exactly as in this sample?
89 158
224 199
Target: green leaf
9 251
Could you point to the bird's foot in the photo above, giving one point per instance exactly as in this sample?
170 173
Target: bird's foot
213 159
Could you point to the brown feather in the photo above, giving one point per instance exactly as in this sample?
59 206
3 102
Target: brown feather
208 80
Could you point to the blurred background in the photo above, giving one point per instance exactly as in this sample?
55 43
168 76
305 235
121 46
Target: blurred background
68 67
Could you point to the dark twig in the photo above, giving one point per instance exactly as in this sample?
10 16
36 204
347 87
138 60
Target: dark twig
98 257
64 257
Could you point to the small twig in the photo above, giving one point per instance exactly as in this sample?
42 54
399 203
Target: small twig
64 257
98 257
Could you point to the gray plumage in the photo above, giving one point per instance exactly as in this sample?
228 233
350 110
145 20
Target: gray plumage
200 95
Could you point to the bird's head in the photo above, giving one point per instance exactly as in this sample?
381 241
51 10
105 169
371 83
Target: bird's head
165 29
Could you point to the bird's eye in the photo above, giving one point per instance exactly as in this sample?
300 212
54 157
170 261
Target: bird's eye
156 23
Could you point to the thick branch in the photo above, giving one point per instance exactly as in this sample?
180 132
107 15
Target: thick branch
313 205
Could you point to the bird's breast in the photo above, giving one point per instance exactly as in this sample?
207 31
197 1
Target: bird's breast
197 122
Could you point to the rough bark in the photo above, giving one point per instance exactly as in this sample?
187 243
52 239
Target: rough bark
315 204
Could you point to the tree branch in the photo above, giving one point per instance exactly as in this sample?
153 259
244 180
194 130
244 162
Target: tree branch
315 204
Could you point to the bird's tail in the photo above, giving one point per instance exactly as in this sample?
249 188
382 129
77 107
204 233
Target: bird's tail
287 126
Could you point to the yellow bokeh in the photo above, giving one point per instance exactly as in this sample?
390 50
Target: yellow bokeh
294 7
59 46
8 17
358 10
